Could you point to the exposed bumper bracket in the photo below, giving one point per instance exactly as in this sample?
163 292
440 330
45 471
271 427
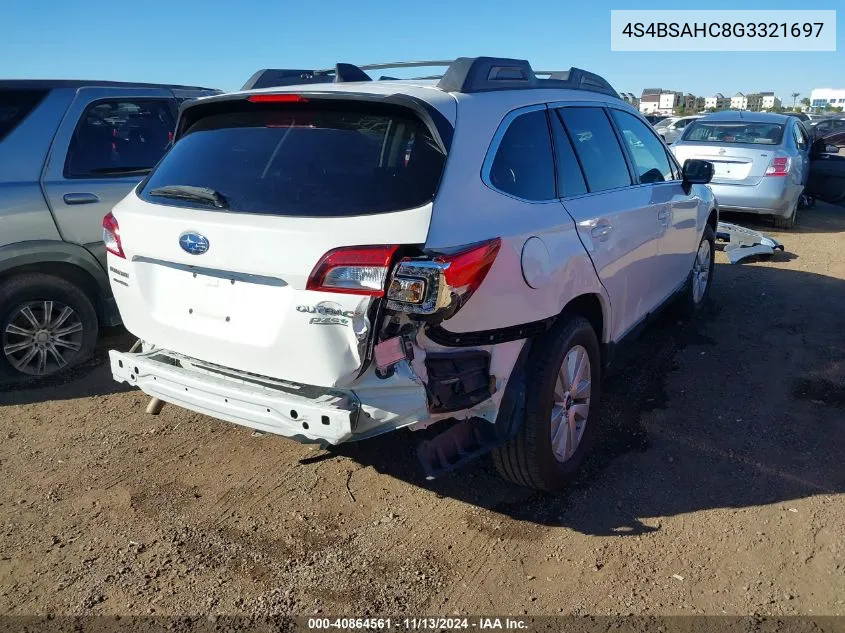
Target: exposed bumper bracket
739 242
297 411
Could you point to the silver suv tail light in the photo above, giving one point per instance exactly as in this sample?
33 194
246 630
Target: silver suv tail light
427 286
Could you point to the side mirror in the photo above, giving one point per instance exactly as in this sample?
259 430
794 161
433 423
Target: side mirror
831 149
697 172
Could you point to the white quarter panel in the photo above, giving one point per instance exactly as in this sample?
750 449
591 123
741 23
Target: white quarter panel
505 298
620 230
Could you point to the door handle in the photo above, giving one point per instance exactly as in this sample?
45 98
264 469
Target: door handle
601 231
663 217
81 198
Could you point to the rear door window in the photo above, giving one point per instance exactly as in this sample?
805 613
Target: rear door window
15 106
118 137
523 165
597 147
650 161
333 160
570 178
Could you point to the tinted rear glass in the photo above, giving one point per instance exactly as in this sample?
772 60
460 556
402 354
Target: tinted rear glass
15 105
119 136
305 161
734 132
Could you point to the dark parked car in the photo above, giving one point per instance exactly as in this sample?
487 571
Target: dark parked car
655 118
69 151
827 178
828 126
798 115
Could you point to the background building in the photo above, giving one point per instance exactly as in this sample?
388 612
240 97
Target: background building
718 101
770 101
739 102
754 102
823 97
650 100
669 101
631 99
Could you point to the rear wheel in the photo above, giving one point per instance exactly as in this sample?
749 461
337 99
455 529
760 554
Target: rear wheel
787 222
47 325
560 413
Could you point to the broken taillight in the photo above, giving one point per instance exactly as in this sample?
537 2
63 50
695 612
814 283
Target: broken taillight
428 285
467 268
111 236
356 270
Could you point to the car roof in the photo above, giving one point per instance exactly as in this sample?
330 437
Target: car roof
749 117
48 84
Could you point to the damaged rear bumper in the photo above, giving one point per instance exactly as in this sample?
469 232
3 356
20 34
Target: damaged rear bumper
297 411
739 242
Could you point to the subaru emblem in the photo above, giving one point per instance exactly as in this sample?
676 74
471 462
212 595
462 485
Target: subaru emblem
193 243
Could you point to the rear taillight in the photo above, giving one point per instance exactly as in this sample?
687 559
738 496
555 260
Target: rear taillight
467 268
446 280
356 270
111 236
779 167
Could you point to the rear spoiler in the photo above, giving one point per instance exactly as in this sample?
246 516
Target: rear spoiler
190 111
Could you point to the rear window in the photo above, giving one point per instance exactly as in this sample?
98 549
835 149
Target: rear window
734 132
330 161
15 105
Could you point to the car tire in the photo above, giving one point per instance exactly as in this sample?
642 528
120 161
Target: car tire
697 289
787 222
49 315
808 201
529 459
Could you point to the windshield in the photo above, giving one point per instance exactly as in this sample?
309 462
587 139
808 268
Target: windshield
664 123
734 132
303 161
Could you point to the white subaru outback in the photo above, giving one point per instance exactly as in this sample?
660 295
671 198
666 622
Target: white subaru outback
343 257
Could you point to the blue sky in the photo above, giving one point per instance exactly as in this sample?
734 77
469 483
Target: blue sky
220 44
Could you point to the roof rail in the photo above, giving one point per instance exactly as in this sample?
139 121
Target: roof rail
464 74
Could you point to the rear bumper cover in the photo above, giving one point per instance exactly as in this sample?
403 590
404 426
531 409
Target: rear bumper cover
739 242
771 196
304 413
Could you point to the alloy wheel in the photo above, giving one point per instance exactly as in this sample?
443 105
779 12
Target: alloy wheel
42 337
571 403
701 271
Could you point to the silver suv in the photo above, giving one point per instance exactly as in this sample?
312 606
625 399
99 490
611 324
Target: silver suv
69 151
331 261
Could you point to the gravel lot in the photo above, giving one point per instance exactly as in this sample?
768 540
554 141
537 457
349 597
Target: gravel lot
716 487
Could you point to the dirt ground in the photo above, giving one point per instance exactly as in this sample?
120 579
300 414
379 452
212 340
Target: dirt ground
716 487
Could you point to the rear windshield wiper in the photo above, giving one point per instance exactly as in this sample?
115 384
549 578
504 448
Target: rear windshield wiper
121 170
189 192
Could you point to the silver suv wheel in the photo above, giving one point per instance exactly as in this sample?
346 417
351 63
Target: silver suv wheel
571 403
701 271
42 337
